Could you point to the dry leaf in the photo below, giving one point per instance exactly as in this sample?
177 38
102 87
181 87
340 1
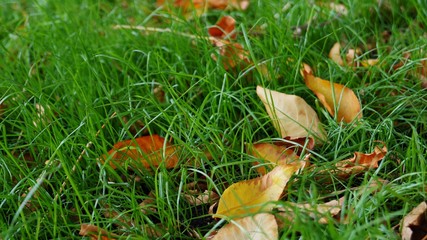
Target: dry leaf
360 162
224 28
275 154
350 57
232 54
262 226
197 193
333 96
414 225
335 54
317 212
146 151
291 115
96 233
222 4
252 196
187 7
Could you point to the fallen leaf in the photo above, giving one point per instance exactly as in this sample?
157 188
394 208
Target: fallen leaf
333 96
95 232
319 212
273 154
146 151
187 7
232 54
224 28
335 54
252 196
223 4
350 57
262 226
197 193
360 162
414 225
291 115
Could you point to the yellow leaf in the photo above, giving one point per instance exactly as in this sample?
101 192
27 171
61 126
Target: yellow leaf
275 154
291 115
252 196
335 54
333 96
262 226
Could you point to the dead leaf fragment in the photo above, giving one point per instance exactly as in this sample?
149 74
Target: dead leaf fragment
291 115
223 4
262 226
252 196
360 162
414 225
147 151
333 96
96 233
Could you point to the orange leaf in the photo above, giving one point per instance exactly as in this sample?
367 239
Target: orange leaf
255 195
96 233
262 226
233 54
222 4
277 155
291 115
333 96
147 150
224 28
335 54
361 162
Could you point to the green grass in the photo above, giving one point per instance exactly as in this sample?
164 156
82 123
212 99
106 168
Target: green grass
65 57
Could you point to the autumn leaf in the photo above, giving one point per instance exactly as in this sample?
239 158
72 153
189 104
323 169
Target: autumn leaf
262 226
291 115
350 58
333 96
146 151
252 196
187 7
272 153
96 233
223 4
360 162
224 28
414 225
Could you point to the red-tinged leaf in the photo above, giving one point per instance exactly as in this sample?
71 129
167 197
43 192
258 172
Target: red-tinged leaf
333 96
147 151
262 226
361 162
96 233
272 153
414 225
255 195
223 4
232 54
224 28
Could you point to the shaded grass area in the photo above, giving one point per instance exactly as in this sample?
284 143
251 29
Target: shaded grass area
65 58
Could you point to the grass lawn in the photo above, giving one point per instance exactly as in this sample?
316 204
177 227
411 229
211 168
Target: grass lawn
71 86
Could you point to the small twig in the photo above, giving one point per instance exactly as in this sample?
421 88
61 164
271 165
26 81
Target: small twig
88 145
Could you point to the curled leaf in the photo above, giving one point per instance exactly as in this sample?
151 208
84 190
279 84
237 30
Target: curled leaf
148 151
262 226
333 96
360 162
414 225
255 195
291 115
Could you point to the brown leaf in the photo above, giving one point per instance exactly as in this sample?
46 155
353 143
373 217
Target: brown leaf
333 96
96 233
262 226
255 195
360 162
187 7
291 115
414 225
232 54
350 60
272 153
224 28
317 211
146 151
197 193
